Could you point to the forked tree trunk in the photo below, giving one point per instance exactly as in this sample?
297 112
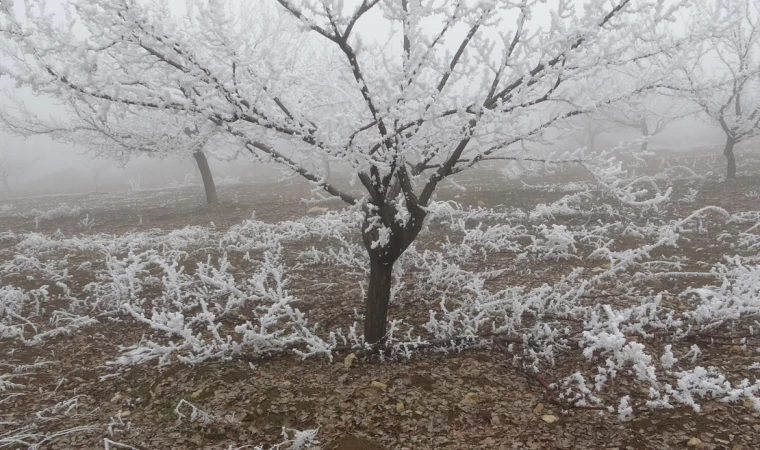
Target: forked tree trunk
382 258
377 300
208 179
728 151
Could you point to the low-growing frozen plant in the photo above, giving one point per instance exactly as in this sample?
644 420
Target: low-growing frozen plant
87 222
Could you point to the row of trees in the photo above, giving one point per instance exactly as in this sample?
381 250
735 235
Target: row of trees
646 115
405 92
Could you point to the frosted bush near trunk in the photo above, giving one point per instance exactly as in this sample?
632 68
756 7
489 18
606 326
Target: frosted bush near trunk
732 300
14 304
228 181
190 302
63 211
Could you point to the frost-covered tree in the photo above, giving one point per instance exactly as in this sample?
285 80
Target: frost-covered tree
11 167
649 115
588 129
724 77
118 132
408 92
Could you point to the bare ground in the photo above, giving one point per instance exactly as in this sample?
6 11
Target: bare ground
420 403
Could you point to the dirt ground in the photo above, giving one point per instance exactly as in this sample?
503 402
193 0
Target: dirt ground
475 400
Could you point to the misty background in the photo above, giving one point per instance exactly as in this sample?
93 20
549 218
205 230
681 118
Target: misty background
52 167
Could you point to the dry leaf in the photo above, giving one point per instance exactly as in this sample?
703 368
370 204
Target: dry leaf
695 442
471 398
349 360
400 407
378 385
538 408
737 447
196 394
549 418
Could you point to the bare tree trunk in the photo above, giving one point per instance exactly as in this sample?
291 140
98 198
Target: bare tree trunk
645 133
382 257
728 151
326 161
208 179
377 300
7 186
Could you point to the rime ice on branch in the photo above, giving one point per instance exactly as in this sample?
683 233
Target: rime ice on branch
442 87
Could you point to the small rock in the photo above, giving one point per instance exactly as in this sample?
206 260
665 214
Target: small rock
549 418
471 398
400 407
538 408
316 210
695 442
481 203
349 360
196 394
378 385
737 447
123 414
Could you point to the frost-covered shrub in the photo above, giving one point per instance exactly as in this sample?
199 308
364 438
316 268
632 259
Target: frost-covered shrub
62 211
210 309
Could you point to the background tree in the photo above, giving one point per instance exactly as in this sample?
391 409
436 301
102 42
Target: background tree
11 167
588 129
407 92
723 78
117 132
648 114
96 166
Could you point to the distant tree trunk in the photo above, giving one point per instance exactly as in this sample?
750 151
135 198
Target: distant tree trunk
645 133
208 179
7 186
326 161
728 151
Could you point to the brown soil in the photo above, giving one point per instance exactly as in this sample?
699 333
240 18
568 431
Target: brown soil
422 405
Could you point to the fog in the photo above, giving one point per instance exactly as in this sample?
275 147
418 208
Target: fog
61 168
